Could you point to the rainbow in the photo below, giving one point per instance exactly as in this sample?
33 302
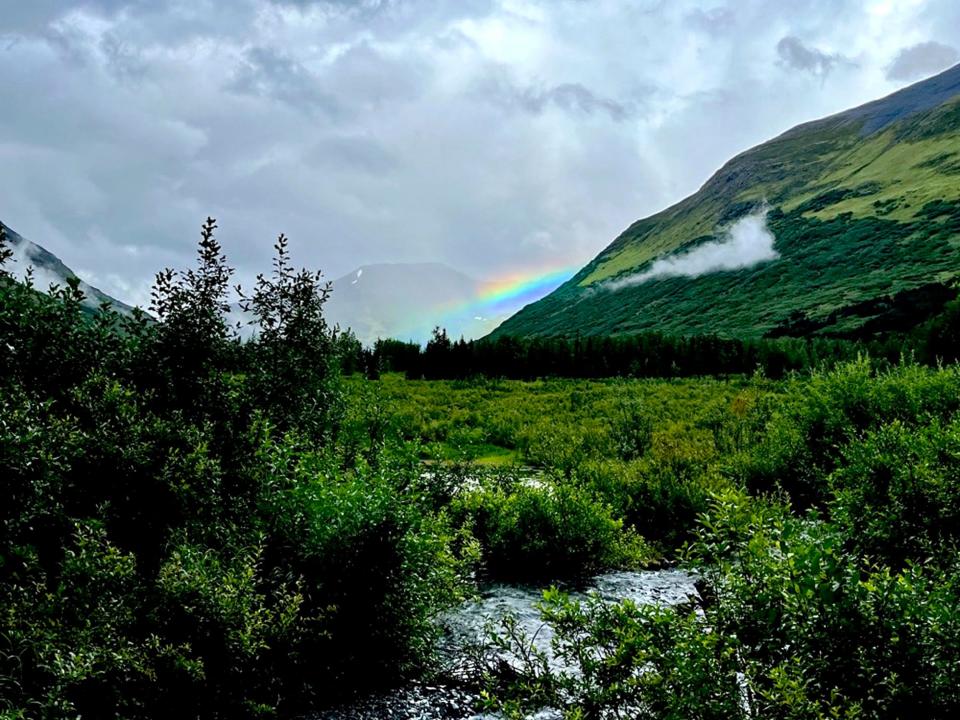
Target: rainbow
501 297
494 301
510 293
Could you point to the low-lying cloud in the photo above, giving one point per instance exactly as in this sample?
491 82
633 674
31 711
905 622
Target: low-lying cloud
747 242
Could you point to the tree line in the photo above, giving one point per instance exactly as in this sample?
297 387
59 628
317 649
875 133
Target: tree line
644 355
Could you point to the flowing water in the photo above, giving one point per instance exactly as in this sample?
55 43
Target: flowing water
447 701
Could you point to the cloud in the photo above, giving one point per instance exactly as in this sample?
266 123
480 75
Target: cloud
746 243
715 21
574 97
794 54
356 152
35 15
495 136
570 97
921 60
267 72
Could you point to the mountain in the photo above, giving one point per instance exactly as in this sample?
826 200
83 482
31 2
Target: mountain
47 269
405 301
846 226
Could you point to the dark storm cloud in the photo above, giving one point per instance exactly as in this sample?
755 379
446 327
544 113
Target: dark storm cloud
794 54
920 60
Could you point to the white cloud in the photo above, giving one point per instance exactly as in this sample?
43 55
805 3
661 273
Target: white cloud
746 243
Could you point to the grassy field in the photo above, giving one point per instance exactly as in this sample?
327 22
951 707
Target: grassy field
506 422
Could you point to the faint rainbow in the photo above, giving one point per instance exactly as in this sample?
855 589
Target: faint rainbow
505 295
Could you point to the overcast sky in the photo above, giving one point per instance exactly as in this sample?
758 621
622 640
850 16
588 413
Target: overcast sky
496 136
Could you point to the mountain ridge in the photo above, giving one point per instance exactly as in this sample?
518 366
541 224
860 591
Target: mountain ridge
46 269
871 169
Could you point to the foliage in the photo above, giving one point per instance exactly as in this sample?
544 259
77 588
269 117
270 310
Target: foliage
897 491
849 611
540 530
186 528
638 355
790 625
820 415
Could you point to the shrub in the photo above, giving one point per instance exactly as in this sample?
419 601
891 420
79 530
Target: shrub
662 506
819 416
897 492
631 428
536 529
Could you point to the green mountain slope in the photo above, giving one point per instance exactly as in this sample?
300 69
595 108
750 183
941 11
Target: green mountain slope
865 210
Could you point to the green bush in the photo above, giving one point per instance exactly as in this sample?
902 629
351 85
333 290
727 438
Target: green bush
897 492
820 415
534 530
662 506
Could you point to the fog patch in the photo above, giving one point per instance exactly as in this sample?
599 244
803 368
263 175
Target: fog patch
27 263
747 242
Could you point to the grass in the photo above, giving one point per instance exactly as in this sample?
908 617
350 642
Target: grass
502 422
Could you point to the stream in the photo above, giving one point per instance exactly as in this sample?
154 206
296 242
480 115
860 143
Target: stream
447 701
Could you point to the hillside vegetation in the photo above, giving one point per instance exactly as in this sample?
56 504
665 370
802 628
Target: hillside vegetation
865 209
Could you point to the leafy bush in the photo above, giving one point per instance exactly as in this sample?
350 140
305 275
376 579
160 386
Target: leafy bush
536 529
897 492
820 415
632 430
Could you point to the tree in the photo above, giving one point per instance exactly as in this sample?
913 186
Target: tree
293 366
192 343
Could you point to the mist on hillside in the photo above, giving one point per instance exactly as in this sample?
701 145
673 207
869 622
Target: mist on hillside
746 242
22 265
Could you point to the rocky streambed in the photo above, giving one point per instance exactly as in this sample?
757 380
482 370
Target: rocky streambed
450 701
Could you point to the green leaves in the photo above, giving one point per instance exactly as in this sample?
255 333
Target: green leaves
539 528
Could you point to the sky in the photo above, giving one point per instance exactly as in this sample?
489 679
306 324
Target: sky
501 137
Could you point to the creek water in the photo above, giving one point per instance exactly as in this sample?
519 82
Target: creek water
448 701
